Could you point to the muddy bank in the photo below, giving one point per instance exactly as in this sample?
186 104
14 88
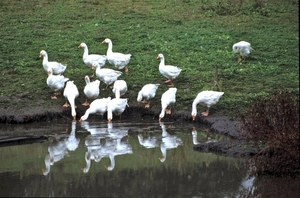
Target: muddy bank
217 124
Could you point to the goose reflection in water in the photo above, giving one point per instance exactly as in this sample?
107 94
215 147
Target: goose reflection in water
148 141
117 144
206 139
93 144
168 142
113 144
58 149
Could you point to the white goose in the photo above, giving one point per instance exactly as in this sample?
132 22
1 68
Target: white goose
55 82
89 59
57 68
167 98
98 106
116 106
243 48
106 75
206 98
117 59
91 90
147 92
70 93
120 88
169 71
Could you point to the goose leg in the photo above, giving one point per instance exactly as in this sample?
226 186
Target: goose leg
86 103
126 69
171 85
168 111
205 113
53 97
167 80
147 106
66 104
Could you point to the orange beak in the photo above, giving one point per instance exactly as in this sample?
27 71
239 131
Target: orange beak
79 46
109 119
103 41
193 117
41 55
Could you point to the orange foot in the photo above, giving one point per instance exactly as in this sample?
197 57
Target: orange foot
147 106
53 97
167 81
66 105
85 103
126 69
204 113
168 111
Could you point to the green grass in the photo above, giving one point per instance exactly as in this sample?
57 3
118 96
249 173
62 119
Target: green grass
195 35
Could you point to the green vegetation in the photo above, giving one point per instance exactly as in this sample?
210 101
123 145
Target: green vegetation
195 35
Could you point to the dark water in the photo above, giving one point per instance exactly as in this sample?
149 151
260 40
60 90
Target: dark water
136 158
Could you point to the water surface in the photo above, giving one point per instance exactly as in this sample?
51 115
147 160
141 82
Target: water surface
136 158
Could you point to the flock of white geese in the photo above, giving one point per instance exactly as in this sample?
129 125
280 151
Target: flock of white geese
57 82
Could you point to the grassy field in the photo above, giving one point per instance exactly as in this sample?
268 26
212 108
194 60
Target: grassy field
195 35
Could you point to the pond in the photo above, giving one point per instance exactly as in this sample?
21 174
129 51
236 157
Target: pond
132 158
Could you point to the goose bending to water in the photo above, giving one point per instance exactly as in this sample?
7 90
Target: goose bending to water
206 98
119 60
120 88
91 90
55 82
70 93
57 68
98 106
167 98
106 75
243 48
169 71
89 59
147 92
116 106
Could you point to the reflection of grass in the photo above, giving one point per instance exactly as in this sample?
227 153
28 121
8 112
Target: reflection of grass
195 36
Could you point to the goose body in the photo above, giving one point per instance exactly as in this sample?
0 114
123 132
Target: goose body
120 88
106 75
98 106
57 68
243 48
116 106
147 92
55 82
89 59
91 89
167 98
70 93
205 98
169 71
119 60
